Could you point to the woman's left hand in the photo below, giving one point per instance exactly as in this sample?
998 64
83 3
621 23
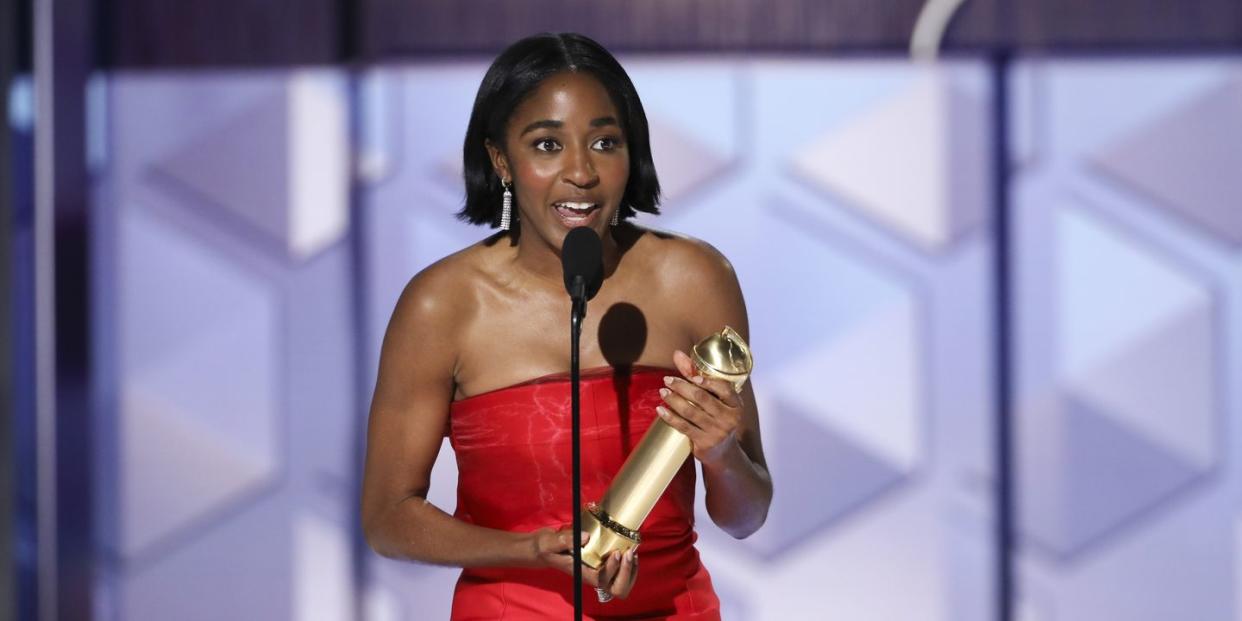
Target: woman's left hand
707 410
618 573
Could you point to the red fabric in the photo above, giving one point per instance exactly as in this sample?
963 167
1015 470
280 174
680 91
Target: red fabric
513 461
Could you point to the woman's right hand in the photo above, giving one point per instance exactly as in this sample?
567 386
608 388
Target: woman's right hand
552 548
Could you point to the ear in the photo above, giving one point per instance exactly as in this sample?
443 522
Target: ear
500 163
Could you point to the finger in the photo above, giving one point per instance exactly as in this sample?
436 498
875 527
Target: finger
677 422
626 574
565 564
554 543
684 365
722 390
704 399
608 571
565 536
686 409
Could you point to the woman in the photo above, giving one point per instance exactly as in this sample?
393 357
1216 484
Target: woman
558 139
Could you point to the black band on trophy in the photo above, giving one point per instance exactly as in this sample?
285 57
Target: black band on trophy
608 523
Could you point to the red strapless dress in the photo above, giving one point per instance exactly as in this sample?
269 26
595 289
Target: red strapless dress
513 462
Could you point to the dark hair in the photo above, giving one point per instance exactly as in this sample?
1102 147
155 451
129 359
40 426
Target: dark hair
513 76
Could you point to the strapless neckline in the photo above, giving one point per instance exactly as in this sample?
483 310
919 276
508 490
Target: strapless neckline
592 373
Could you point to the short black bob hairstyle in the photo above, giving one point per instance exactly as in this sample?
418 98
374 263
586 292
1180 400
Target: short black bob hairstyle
513 76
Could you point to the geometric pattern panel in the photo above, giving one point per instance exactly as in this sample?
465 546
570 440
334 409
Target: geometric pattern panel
1186 160
225 448
1136 337
846 477
915 163
685 163
199 409
300 122
1130 412
1083 476
864 383
841 328
1129 336
694 126
237 568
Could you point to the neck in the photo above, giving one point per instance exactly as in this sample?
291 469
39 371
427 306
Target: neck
537 258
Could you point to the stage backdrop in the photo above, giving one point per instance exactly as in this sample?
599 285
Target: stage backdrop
1129 302
241 301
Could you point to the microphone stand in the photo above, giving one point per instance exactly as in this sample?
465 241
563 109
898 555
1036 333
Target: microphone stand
576 314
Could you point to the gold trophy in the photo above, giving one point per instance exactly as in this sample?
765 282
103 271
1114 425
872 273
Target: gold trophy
613 522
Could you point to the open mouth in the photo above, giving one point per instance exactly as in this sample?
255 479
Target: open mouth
575 213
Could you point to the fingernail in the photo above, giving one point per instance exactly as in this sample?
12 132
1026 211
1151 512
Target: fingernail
584 538
629 555
664 392
661 411
668 380
697 379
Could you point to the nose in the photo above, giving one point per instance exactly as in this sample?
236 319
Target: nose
579 168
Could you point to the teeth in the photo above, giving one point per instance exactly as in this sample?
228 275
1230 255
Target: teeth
578 207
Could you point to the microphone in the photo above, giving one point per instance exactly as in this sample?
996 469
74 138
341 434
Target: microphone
582 260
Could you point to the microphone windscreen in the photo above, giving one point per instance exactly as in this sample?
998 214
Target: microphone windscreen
582 254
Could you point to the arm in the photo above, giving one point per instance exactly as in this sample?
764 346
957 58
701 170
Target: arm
723 426
735 474
409 411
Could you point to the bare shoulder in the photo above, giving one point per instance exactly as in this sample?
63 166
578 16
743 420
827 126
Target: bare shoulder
438 299
680 261
696 279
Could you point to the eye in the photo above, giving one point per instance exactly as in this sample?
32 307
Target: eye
607 143
547 144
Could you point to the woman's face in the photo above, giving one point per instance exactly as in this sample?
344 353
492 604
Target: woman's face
566 156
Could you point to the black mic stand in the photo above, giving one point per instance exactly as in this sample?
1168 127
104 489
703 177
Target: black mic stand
576 315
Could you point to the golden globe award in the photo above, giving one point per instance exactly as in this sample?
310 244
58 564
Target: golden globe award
613 522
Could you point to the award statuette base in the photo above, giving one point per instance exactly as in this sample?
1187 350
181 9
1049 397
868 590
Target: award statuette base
613 523
607 536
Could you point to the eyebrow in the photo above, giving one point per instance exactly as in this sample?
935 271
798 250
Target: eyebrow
541 124
551 124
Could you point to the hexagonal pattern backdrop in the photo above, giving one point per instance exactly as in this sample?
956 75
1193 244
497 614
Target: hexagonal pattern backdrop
1128 286
241 318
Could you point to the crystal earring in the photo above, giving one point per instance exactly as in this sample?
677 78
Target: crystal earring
506 206
616 217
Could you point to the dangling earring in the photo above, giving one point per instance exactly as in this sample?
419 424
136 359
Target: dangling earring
506 206
616 217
